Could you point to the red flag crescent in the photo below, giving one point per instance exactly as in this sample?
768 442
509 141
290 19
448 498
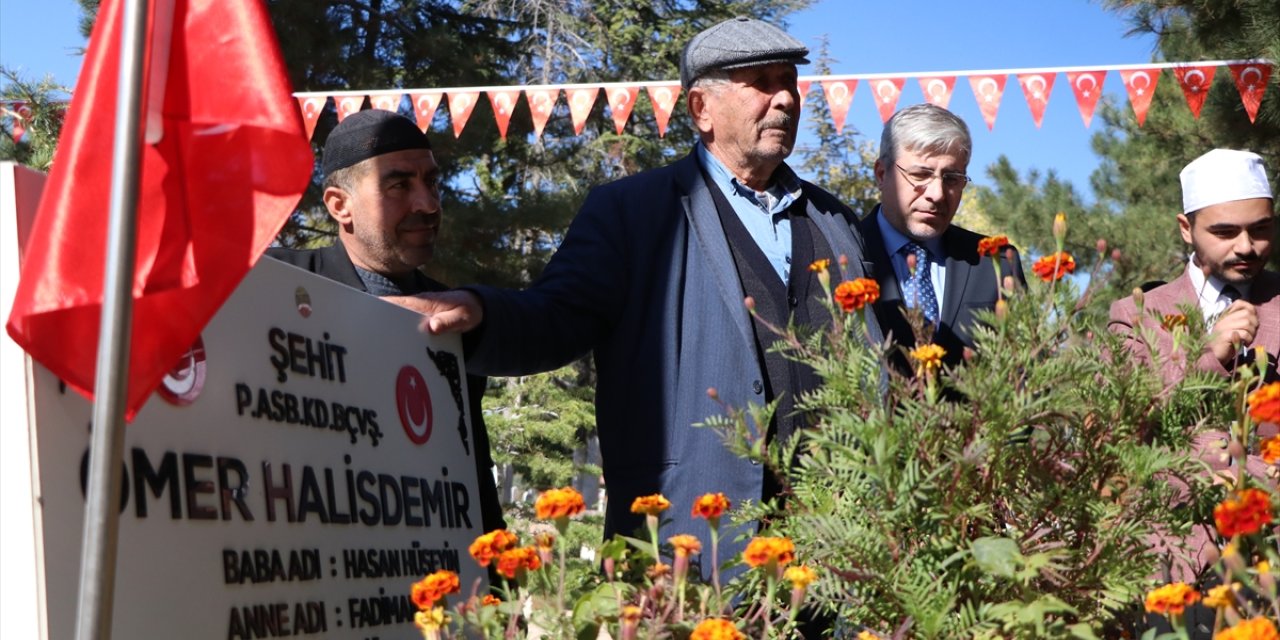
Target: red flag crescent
839 96
224 161
311 109
664 99
541 103
461 104
503 103
389 101
1195 83
1141 86
1037 87
580 103
424 107
937 89
988 90
621 101
1251 81
886 92
1087 87
348 105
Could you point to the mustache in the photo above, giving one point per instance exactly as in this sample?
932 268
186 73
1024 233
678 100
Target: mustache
782 121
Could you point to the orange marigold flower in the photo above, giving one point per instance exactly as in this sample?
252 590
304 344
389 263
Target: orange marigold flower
428 590
867 635
853 295
513 562
800 576
710 506
1045 267
1264 404
559 503
490 600
819 265
991 246
1244 514
928 358
658 570
764 551
1251 629
545 541
716 629
631 613
1271 449
650 505
1171 599
1172 321
490 545
685 544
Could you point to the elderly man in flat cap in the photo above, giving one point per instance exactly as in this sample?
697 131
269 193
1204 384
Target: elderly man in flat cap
1229 221
382 187
651 279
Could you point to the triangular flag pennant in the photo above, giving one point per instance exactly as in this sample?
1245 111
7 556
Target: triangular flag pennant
1251 81
311 109
621 101
389 101
1037 87
503 103
348 105
1087 87
664 99
887 91
580 103
19 114
541 103
802 88
988 90
839 96
1141 86
220 168
1195 83
424 107
461 104
937 89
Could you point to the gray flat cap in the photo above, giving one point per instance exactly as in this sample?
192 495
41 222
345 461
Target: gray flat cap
737 43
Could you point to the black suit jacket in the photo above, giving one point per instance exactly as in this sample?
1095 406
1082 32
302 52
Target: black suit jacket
333 263
970 286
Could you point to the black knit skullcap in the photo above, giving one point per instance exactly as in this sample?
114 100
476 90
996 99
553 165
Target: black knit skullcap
367 134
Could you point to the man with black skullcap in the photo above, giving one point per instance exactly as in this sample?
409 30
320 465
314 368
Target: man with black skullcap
382 187
651 279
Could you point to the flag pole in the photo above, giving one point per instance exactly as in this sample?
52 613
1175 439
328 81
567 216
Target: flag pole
102 515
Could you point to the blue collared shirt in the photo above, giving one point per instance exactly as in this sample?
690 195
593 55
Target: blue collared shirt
763 213
893 243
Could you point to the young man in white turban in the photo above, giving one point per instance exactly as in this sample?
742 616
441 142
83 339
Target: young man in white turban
1229 220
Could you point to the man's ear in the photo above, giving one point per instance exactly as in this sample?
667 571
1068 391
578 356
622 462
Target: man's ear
338 202
1184 226
879 173
698 109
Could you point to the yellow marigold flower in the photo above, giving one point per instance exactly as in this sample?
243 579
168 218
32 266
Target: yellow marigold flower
631 613
800 576
1251 629
430 621
710 506
853 295
1264 404
716 629
867 635
685 544
819 265
1262 567
928 358
650 505
428 590
1221 596
554 504
764 551
1171 599
991 246
490 545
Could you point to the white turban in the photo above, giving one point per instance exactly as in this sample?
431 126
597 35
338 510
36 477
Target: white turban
1223 175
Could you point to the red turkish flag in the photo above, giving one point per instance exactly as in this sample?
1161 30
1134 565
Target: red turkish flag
886 92
1195 83
1037 87
988 90
839 96
311 109
348 105
541 103
1141 85
1087 87
19 113
424 107
461 104
1251 81
389 101
664 99
802 88
937 89
580 103
621 101
503 103
224 162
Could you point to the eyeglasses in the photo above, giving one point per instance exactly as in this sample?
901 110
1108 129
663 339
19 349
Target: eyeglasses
920 180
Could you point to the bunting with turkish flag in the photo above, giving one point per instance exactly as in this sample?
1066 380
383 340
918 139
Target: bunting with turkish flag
1251 81
1195 83
224 162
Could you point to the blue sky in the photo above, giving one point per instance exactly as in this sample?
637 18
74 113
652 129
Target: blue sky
41 36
